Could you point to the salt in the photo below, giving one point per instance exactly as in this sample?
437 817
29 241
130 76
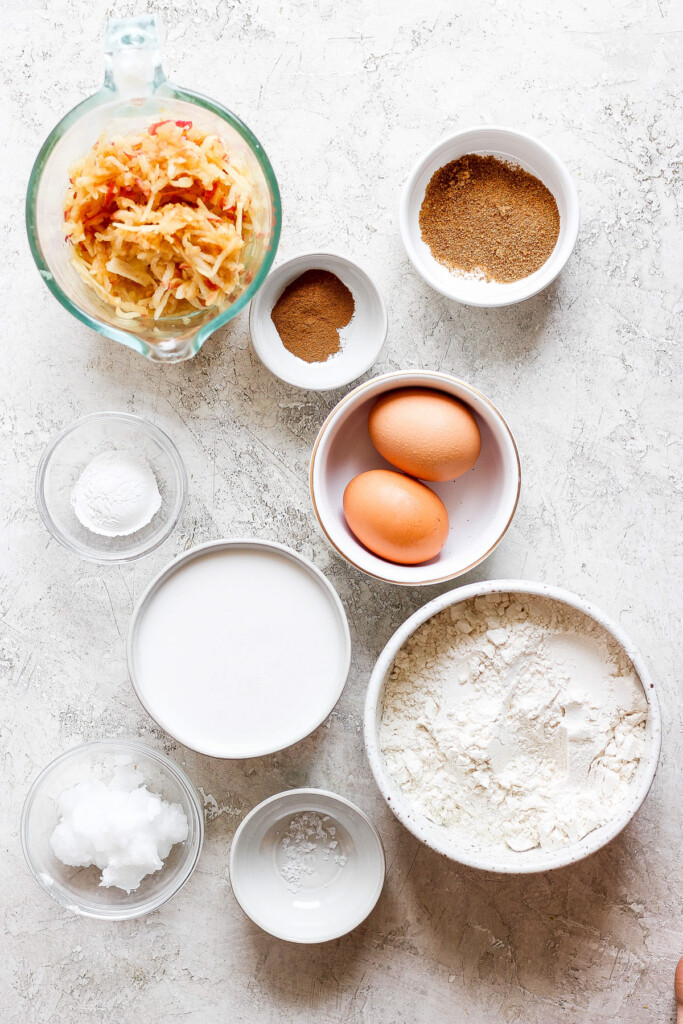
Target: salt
308 836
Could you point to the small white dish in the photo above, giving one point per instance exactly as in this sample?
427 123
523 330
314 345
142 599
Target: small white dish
456 847
361 340
312 896
514 147
480 504
239 648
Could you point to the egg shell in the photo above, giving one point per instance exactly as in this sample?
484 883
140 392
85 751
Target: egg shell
426 433
396 517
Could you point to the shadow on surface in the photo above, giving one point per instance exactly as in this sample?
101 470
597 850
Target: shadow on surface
504 335
534 932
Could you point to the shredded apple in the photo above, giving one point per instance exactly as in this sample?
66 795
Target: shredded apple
159 220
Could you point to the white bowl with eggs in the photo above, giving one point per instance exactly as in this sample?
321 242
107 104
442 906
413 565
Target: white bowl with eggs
513 147
480 504
456 845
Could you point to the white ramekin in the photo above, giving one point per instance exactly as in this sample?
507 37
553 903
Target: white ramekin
514 147
361 340
324 909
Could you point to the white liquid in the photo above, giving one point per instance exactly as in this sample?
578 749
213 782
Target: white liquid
239 651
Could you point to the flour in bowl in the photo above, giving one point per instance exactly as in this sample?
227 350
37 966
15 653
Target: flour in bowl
515 721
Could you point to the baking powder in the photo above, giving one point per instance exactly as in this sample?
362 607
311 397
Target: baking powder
116 494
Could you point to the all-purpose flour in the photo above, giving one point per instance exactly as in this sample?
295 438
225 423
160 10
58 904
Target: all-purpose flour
514 720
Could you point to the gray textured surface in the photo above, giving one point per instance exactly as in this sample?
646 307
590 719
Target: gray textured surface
345 96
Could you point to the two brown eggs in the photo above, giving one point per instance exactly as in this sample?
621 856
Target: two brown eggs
427 435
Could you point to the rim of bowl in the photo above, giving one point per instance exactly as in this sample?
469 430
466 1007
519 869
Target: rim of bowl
127 338
164 441
572 219
217 545
415 821
263 350
397 375
185 783
335 798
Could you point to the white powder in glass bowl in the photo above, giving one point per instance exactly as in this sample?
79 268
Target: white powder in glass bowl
116 494
515 721
119 826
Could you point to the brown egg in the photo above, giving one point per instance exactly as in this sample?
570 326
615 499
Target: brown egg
426 433
396 517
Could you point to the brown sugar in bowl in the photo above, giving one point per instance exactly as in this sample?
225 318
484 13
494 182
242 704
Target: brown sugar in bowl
513 147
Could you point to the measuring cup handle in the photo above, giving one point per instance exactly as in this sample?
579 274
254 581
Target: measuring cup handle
132 56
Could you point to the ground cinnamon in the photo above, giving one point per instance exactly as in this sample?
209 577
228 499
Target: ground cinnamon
310 313
483 216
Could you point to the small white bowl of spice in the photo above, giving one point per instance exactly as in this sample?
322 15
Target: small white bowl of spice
318 322
489 216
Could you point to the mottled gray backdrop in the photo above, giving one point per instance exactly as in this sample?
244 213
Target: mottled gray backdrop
345 95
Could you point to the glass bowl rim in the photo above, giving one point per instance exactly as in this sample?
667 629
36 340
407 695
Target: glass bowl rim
165 443
197 814
130 340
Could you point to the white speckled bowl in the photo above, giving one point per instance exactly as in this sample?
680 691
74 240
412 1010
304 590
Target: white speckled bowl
436 836
361 340
480 503
328 899
514 147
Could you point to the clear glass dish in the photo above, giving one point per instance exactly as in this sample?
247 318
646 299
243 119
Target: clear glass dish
135 94
69 453
77 888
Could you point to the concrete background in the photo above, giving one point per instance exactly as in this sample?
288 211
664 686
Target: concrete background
344 97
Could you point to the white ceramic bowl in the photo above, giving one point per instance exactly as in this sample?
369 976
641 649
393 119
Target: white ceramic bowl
480 504
459 849
76 888
514 147
361 340
326 893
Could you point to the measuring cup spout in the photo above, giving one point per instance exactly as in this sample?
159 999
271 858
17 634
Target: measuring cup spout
132 56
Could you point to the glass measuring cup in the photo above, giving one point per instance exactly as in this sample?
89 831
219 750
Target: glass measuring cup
135 94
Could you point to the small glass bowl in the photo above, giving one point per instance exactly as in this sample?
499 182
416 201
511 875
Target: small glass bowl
77 888
69 453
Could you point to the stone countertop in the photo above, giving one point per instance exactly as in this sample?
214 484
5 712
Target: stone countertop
345 96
